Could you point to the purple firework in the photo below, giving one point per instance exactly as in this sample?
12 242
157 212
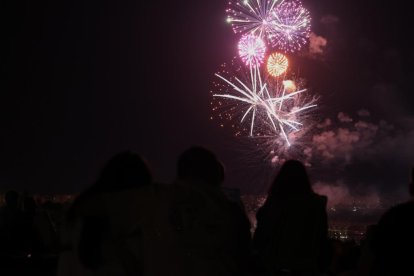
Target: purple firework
252 50
291 22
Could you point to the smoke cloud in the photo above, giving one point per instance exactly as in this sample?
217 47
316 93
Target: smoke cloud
359 157
317 44
329 19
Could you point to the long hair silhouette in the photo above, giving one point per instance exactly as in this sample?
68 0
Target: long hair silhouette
292 179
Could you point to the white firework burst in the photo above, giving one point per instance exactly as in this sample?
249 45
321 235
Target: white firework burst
273 109
252 16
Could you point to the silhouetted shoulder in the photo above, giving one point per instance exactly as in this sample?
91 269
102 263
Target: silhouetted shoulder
321 199
397 219
400 208
393 241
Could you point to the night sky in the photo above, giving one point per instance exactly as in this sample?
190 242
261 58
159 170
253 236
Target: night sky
83 80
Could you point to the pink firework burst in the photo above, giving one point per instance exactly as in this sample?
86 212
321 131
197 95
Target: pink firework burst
252 16
291 22
252 50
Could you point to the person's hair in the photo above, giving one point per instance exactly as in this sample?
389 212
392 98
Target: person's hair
411 185
198 163
412 174
29 204
292 179
126 170
12 199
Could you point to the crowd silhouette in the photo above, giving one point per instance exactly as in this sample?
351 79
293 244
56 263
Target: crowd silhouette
127 224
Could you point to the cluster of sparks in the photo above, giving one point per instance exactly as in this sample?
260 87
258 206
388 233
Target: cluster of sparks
254 17
284 24
252 50
277 64
262 102
292 22
271 107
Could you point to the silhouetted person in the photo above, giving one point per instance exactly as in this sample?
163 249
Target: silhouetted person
11 207
291 233
29 206
11 223
198 164
125 170
393 239
88 226
11 199
213 232
30 234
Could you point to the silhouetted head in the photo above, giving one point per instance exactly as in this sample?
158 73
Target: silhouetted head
29 204
123 171
412 182
292 179
12 199
198 163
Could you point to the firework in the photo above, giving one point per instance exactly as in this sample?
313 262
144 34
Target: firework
271 110
256 99
252 50
252 16
289 86
277 64
291 23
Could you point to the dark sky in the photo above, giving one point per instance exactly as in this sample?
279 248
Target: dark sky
82 80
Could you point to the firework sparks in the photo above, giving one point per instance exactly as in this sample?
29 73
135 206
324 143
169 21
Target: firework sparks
268 105
277 64
252 50
292 23
258 100
289 85
252 16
